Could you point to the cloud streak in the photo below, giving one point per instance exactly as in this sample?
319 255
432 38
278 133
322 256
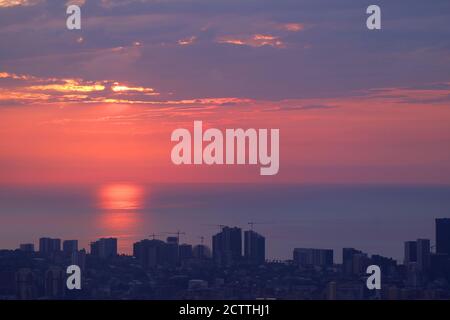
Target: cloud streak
17 3
26 89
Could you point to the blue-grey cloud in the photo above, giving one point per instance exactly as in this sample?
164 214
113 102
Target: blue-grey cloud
141 42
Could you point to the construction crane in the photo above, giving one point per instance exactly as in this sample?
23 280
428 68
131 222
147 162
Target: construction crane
220 226
178 233
251 224
153 236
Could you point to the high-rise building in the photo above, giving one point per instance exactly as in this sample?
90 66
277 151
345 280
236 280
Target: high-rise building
443 236
26 286
7 279
78 258
410 252
49 245
306 257
227 246
387 265
171 251
95 249
254 247
27 247
185 252
413 275
54 284
360 263
440 264
140 252
347 260
108 247
172 240
201 252
150 253
70 246
331 290
423 254
104 248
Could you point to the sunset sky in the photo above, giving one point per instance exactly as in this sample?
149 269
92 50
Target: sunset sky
99 105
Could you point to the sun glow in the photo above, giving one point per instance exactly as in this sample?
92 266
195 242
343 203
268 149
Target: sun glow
121 197
120 217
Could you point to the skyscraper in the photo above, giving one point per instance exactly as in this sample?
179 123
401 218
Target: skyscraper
227 246
140 251
26 287
49 245
171 251
254 247
95 248
172 240
347 259
387 265
153 253
70 246
423 254
104 248
443 236
201 252
361 261
410 252
185 252
305 257
27 247
331 290
54 282
78 258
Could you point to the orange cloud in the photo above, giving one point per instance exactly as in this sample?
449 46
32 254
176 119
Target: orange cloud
187 41
34 90
16 3
31 89
122 88
76 2
6 75
293 27
70 85
256 40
